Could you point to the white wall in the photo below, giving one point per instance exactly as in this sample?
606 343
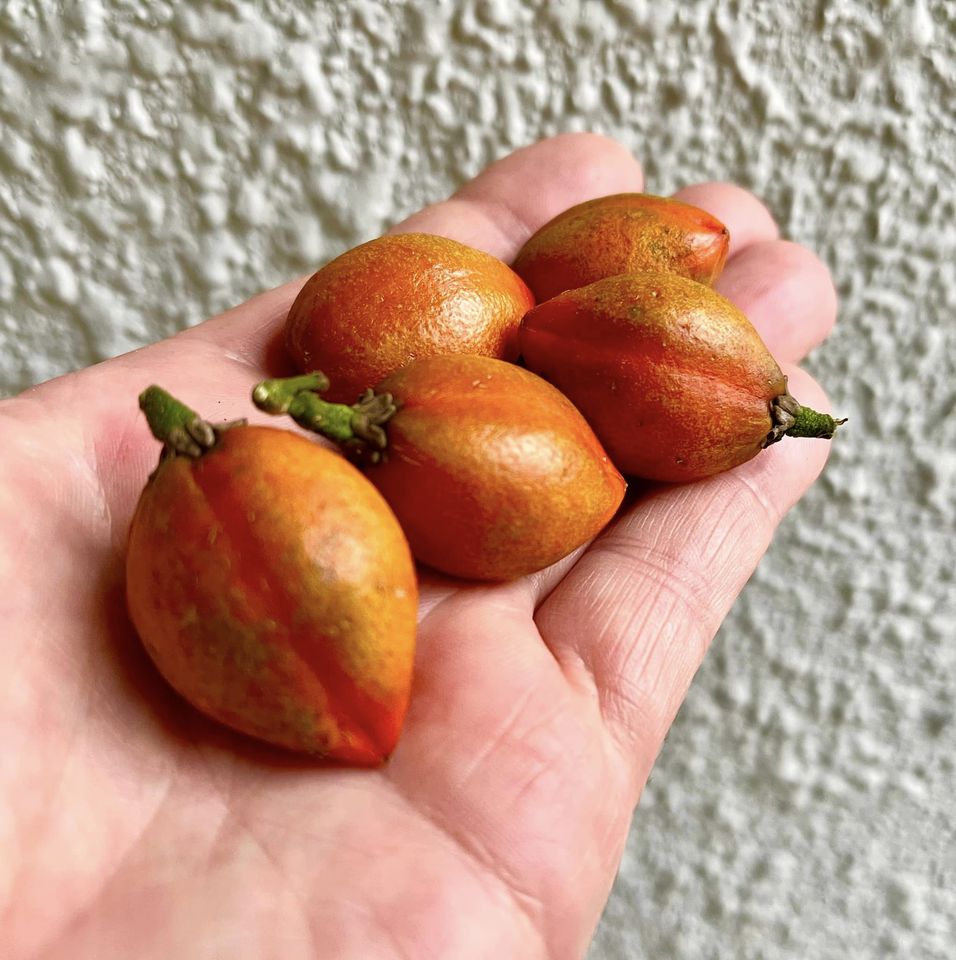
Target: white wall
159 162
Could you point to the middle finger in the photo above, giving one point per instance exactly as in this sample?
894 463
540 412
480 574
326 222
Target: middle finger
784 289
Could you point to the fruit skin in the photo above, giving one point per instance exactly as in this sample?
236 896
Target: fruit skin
492 473
275 591
623 233
402 297
673 378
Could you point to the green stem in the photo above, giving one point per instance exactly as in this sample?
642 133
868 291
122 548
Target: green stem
357 428
176 426
274 396
791 419
332 420
164 413
809 423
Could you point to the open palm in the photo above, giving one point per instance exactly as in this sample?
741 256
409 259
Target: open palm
132 827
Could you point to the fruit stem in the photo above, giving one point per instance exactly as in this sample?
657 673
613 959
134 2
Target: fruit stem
180 429
357 428
792 419
164 413
274 396
809 423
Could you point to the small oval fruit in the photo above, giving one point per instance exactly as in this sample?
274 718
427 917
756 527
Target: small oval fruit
273 588
623 233
492 473
673 378
399 298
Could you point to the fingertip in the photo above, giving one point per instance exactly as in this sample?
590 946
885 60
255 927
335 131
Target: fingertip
807 391
819 277
786 291
746 217
517 194
580 166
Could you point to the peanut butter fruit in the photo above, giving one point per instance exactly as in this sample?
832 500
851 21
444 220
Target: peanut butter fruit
398 298
623 233
673 378
491 471
273 587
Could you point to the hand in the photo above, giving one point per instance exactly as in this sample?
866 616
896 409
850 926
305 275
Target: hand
132 827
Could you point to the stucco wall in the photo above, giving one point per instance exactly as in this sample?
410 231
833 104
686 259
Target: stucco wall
159 162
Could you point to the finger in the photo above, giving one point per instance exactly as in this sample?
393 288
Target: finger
631 622
749 222
788 295
786 292
745 217
499 209
246 333
519 597
496 212
212 366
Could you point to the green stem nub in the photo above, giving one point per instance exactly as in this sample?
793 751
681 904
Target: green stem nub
809 423
274 396
180 429
792 419
358 428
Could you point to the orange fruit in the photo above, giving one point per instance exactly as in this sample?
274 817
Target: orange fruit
273 588
623 233
673 378
492 473
399 298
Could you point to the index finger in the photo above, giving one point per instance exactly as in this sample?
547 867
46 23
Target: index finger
506 203
496 212
213 366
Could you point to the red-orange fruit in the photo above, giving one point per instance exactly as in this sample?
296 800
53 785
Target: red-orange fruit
274 590
399 298
673 378
492 473
623 233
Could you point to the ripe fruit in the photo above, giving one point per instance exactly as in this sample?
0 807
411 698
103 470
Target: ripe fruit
623 233
491 471
398 298
272 587
673 378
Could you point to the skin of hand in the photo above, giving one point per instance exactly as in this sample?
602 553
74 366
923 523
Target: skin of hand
131 826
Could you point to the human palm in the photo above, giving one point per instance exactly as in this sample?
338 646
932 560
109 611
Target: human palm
133 827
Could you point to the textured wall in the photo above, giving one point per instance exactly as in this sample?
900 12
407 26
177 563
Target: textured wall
161 161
